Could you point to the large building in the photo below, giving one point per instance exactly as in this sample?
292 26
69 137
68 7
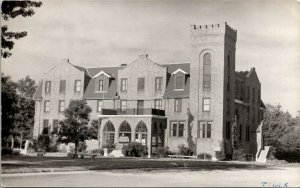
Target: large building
160 104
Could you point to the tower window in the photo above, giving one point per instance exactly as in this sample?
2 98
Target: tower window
206 105
207 70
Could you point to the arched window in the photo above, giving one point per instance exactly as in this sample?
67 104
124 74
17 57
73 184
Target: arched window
141 133
125 132
207 70
108 134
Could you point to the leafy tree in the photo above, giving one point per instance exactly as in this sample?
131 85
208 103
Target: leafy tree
74 127
93 129
24 119
9 99
27 87
277 124
10 10
282 132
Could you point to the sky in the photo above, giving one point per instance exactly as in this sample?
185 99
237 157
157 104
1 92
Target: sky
110 33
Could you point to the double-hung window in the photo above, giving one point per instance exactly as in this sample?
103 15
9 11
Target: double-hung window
177 105
101 85
206 105
204 129
62 86
47 87
177 128
123 105
158 83
77 86
141 84
157 104
47 106
124 83
61 106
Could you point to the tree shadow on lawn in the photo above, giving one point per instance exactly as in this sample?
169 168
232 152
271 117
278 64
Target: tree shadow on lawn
122 163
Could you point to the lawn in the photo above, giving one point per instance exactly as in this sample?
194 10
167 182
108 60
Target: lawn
22 164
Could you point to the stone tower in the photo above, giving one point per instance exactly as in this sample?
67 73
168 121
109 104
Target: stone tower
212 84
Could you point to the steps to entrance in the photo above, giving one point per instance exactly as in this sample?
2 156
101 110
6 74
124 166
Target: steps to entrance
262 156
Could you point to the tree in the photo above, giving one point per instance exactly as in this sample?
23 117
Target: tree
27 87
10 10
9 99
24 119
74 127
282 132
277 124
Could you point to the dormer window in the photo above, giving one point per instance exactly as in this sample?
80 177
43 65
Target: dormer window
102 81
101 85
179 79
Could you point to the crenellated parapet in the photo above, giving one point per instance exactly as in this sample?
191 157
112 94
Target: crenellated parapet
219 29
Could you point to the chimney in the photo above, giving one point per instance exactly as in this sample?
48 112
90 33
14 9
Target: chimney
143 56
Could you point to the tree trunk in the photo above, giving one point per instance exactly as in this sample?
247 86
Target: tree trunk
12 142
76 147
21 140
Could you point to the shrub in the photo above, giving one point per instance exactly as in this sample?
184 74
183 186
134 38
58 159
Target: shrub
134 149
71 155
98 151
163 152
6 151
42 143
82 146
204 156
186 151
110 147
239 155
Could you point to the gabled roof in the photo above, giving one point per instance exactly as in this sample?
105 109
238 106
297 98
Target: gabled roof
102 72
170 91
112 90
38 92
179 70
78 67
242 75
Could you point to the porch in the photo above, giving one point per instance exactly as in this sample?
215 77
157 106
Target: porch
145 126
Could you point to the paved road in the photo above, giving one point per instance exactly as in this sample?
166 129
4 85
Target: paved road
279 176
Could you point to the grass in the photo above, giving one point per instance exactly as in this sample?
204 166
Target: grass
24 164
